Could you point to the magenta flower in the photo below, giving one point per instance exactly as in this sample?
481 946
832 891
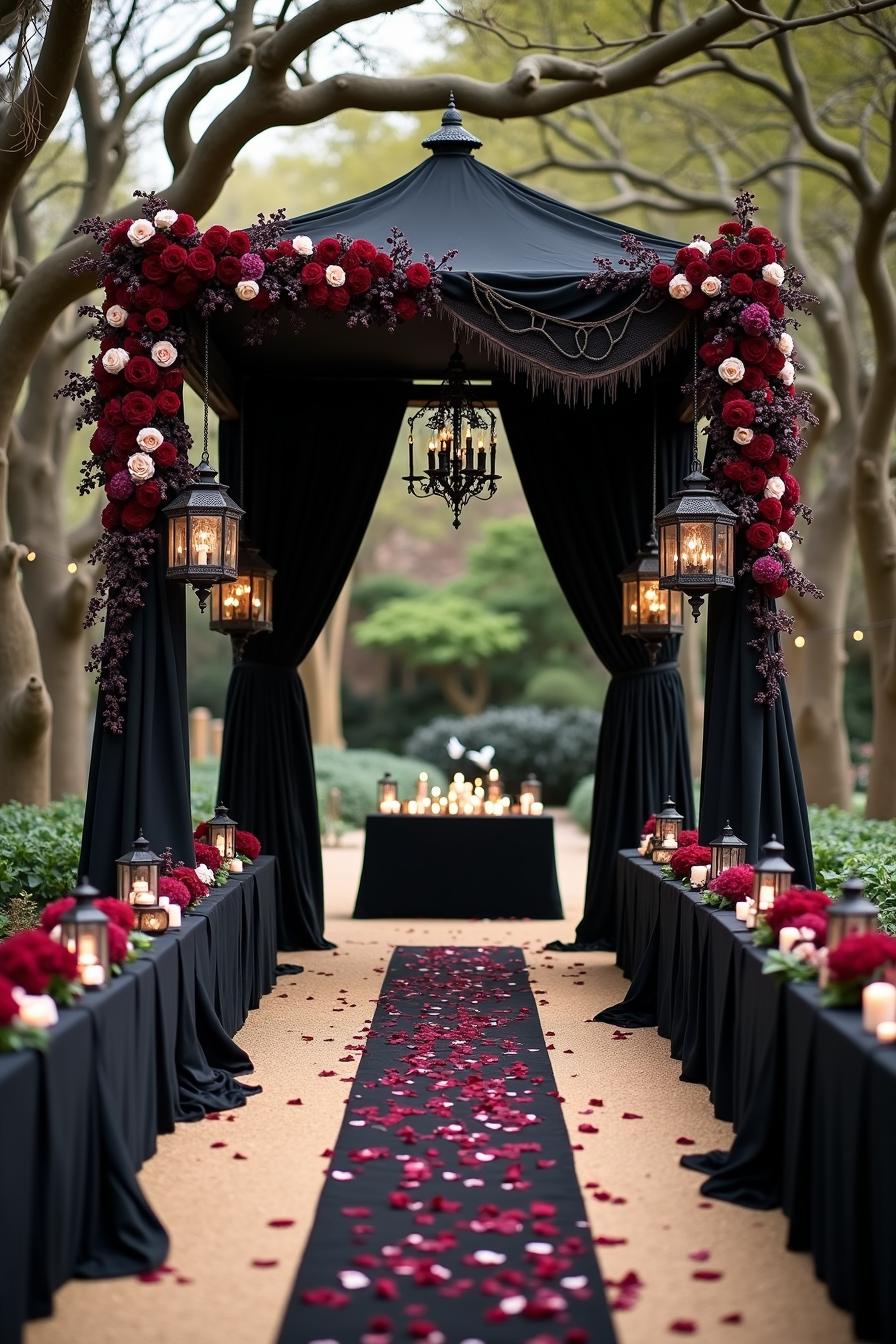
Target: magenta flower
120 486
766 569
252 267
755 319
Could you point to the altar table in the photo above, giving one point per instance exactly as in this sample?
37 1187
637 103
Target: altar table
459 868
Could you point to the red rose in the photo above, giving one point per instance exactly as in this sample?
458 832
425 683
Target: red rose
723 261
137 409
215 238
735 471
117 941
141 372
9 1007
208 854
328 250
687 254
117 912
52 913
112 411
112 466
763 292
753 349
359 280
755 481
365 250
777 309
746 256
152 269
317 296
149 296
34 961
194 885
149 494
740 284
311 273
740 412
119 232
731 229
157 319
238 243
183 227
775 589
753 379
696 271
791 489
760 536
350 260
713 352
155 246
791 905
337 299
175 891
788 518
248 844
111 516
661 275
186 285
168 403
135 517
132 345
174 257
774 361
760 448
405 308
759 234
383 264
166 454
201 263
861 956
767 254
285 248
770 509
135 322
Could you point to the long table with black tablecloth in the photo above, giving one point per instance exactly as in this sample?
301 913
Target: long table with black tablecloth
458 868
811 1096
122 1067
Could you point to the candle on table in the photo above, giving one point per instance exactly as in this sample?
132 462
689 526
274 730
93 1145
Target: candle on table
164 900
174 916
886 1033
788 938
642 848
699 874
741 909
526 801
536 809
236 865
751 914
878 1004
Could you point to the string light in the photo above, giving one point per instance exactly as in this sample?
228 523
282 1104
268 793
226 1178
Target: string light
32 555
72 567
800 641
858 635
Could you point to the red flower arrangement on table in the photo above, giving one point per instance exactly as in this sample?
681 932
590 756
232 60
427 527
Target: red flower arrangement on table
797 908
33 967
859 959
123 941
686 856
154 268
742 289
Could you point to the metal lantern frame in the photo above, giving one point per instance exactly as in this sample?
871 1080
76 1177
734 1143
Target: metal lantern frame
853 913
387 792
152 919
84 931
532 786
772 874
203 522
139 864
727 851
243 607
667 826
455 470
221 830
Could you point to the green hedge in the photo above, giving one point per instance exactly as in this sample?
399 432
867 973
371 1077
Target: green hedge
580 801
39 849
355 774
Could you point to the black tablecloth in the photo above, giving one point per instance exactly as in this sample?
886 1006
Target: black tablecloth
459 868
77 1122
811 1095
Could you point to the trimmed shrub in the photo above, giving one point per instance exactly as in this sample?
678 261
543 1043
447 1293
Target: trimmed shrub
580 803
39 849
565 688
355 774
558 744
845 846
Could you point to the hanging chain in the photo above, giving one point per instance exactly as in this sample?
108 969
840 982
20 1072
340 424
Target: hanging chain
205 461
696 440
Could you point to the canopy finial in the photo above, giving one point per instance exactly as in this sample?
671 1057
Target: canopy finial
451 138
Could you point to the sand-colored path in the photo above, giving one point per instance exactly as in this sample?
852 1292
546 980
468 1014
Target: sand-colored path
217 1185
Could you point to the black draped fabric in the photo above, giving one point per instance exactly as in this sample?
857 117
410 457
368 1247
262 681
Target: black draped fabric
141 777
308 498
751 770
592 506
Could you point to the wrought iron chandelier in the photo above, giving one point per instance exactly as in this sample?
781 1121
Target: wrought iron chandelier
456 469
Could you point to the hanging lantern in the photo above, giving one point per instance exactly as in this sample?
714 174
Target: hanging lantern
727 850
84 931
648 612
222 833
771 876
203 523
242 607
696 532
387 793
456 469
138 873
667 828
852 913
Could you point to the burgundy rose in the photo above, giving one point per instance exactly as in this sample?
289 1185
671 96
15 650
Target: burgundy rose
194 885
755 481
117 912
753 379
215 238
767 254
112 411
149 296
119 232
248 844
174 257
111 517
760 448
112 466
685 255
759 234
149 495
155 246
102 439
311 274
166 454
168 403
125 440
777 588
406 308
328 250
770 509
696 271
735 471
777 309
788 518
183 227
740 284
746 256
661 275
175 891
172 379
117 940
764 292
141 372
774 361
696 301
317 296
383 264
157 319
201 263
791 489
359 280
34 961
207 854
737 413
186 285
731 229
229 270
137 408
132 345
753 349
135 322
860 956
152 269
723 261
338 299
760 536
365 250
238 243
135 517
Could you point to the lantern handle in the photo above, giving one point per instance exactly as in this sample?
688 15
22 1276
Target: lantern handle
205 458
653 498
696 439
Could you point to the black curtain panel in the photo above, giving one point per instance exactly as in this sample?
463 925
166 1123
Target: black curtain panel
314 452
141 777
587 475
751 770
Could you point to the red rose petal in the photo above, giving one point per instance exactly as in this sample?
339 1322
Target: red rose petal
219 1144
683 1328
240 1157
281 1222
707 1274
296 1101
733 1318
631 1115
699 1255
686 1143
263 1264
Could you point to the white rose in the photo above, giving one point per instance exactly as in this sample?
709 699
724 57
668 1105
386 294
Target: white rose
150 439
140 232
116 316
115 360
787 373
679 286
702 246
164 219
785 343
205 874
711 286
335 276
742 435
302 245
774 487
784 542
773 274
141 466
246 290
731 370
163 354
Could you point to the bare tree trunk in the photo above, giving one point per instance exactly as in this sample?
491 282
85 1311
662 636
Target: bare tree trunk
690 665
466 699
321 674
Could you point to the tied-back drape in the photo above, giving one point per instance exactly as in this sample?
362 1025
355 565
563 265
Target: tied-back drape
140 778
314 454
587 476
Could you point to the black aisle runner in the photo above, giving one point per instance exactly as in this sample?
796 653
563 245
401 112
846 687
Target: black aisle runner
451 1210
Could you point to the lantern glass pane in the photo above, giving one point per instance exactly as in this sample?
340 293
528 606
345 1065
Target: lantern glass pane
231 541
654 603
630 604
669 829
669 551
676 598
723 550
177 542
205 541
696 549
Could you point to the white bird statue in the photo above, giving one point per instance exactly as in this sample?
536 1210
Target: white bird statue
456 749
483 757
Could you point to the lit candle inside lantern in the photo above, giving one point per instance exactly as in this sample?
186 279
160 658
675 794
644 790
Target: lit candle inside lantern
144 898
219 845
699 874
767 896
140 885
92 976
788 939
878 1004
886 1033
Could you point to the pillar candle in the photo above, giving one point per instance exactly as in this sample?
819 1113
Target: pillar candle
144 898
699 874
174 916
751 914
92 976
788 938
878 1004
886 1033
741 909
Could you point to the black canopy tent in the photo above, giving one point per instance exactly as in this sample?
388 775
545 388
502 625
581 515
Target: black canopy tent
594 366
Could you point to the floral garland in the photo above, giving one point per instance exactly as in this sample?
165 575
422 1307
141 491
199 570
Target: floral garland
154 268
746 383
